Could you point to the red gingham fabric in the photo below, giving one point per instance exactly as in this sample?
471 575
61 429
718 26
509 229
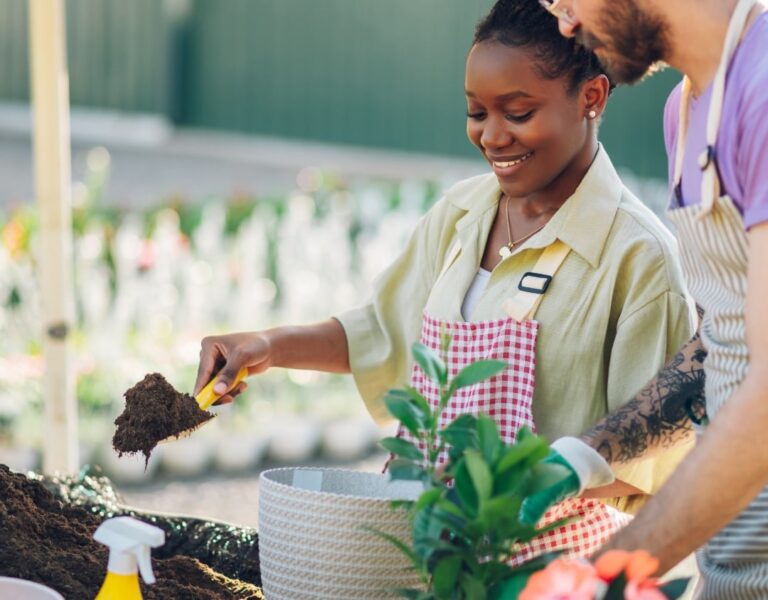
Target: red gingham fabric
508 398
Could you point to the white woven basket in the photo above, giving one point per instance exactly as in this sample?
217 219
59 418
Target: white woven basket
312 538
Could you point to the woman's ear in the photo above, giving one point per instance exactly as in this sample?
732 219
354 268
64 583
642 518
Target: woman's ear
594 95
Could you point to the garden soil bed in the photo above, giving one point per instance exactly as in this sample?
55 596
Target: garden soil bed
154 411
47 541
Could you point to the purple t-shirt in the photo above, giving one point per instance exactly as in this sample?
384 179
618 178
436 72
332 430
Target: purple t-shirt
742 142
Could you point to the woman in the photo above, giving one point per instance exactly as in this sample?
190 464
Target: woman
551 233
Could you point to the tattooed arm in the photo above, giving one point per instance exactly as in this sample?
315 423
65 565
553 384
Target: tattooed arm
729 465
659 416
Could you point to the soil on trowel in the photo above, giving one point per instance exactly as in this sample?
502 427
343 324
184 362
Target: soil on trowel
154 411
45 540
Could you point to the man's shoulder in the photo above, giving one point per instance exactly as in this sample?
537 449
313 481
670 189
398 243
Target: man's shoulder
748 75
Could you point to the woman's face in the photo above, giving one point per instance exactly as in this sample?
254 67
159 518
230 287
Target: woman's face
529 128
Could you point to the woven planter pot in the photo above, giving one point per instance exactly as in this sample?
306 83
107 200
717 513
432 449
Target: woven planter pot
312 538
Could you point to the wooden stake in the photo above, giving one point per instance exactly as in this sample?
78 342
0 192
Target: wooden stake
50 94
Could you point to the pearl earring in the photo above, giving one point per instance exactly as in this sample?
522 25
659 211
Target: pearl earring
592 114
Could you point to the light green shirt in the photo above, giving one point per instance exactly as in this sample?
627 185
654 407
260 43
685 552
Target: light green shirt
615 312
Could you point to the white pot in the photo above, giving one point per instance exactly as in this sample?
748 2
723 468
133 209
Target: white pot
349 439
188 456
20 589
312 532
239 451
294 439
129 468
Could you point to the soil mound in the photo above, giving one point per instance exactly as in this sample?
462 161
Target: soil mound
154 411
47 541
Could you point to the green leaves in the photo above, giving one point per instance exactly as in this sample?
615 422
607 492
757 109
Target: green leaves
544 475
406 469
500 513
472 588
460 435
479 473
488 438
476 372
413 415
510 588
465 489
529 448
430 363
466 522
675 588
445 576
402 448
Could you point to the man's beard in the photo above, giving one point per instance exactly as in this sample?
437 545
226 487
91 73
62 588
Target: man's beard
636 45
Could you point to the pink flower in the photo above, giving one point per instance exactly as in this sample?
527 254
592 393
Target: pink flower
637 566
563 580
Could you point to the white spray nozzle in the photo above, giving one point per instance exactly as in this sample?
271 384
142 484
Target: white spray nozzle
129 541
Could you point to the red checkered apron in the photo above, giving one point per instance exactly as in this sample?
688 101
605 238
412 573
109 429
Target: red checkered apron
507 398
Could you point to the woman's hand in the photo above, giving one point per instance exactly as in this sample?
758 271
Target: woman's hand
225 355
318 347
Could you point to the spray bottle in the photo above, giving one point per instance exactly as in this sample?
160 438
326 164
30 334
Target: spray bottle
129 541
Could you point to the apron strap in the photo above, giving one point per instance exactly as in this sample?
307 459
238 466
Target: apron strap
523 305
710 181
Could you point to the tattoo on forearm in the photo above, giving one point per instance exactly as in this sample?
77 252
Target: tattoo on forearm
661 414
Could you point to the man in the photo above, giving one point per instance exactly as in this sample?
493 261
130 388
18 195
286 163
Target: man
716 130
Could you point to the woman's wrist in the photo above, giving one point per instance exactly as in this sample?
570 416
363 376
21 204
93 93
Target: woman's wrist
321 346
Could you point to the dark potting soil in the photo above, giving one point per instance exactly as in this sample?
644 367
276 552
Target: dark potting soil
228 549
154 411
45 540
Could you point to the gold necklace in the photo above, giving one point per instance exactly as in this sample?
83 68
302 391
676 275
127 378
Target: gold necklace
506 249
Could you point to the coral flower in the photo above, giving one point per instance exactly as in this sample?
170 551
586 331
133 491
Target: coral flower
641 566
563 580
611 564
638 565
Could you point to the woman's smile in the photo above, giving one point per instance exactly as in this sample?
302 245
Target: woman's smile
508 166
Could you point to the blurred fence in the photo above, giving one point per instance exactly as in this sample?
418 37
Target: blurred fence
118 53
365 72
150 283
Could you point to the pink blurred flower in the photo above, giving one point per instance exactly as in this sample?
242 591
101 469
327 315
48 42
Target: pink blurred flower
146 259
563 579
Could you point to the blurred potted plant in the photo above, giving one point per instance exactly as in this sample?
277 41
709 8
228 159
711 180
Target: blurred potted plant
465 526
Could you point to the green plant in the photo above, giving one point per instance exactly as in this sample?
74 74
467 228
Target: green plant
465 525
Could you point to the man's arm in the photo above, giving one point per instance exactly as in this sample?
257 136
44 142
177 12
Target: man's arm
729 465
656 418
659 416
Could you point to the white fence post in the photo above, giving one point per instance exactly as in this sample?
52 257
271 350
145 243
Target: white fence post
50 95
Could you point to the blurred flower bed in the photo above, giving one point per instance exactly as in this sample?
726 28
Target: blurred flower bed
150 284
